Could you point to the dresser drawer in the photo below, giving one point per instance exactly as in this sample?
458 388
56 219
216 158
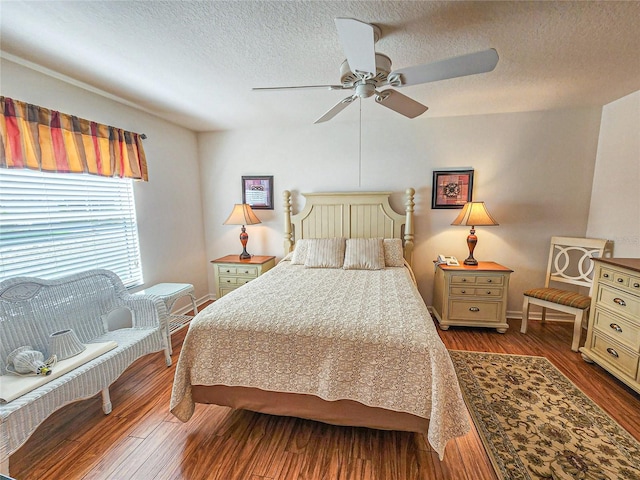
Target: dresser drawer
623 280
475 292
618 301
462 279
616 355
474 311
623 331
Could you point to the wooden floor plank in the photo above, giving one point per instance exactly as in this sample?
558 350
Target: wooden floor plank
141 440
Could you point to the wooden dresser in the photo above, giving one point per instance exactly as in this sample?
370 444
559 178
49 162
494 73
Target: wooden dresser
231 272
613 338
473 296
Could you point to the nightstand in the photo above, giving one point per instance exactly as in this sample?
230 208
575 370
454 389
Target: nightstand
472 296
231 272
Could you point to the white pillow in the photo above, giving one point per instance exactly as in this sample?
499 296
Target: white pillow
325 253
364 254
393 252
300 252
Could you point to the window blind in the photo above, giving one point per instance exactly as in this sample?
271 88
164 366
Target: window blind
53 225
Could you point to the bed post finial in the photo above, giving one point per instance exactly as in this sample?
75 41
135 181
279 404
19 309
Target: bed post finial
288 244
408 226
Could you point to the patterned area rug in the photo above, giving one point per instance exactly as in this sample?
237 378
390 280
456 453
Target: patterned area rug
535 424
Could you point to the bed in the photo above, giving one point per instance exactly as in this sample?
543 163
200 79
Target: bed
337 332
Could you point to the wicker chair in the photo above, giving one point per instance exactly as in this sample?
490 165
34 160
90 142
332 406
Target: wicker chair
569 263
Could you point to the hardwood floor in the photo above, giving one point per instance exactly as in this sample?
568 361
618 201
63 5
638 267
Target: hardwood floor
141 440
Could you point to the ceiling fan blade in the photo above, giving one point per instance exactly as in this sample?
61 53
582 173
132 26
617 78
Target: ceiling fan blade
400 103
336 109
301 87
358 41
470 64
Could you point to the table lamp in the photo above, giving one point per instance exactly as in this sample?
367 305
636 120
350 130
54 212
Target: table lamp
474 214
242 215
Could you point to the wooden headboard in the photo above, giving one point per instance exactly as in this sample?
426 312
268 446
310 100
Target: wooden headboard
349 215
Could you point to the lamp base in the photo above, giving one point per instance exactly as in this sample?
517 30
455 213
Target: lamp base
244 238
472 240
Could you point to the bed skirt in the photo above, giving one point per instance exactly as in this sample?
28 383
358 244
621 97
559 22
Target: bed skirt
339 412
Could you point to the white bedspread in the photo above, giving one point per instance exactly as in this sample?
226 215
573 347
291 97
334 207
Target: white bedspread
360 335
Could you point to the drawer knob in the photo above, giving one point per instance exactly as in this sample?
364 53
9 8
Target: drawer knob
636 285
620 280
464 279
228 271
605 275
246 272
616 327
488 292
228 281
489 280
612 352
463 291
474 309
619 301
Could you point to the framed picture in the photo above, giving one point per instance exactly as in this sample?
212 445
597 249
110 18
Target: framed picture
451 188
257 191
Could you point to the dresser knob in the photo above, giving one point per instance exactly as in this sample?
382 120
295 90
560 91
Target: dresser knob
474 309
616 327
620 280
636 285
489 280
619 301
463 291
612 352
488 292
605 275
464 279
228 281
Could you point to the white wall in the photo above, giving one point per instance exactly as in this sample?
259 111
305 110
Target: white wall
615 202
533 170
168 207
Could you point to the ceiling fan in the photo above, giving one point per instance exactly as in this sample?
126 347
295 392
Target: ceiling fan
365 71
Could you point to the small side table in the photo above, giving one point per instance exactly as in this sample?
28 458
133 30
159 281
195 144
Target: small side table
169 293
472 296
232 272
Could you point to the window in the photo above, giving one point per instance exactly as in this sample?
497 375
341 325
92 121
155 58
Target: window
54 224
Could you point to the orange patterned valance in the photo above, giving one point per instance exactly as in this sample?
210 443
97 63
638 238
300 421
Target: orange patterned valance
41 139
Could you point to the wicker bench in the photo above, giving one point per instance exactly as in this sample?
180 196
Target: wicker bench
31 309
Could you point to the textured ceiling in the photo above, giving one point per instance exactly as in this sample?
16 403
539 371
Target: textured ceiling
195 62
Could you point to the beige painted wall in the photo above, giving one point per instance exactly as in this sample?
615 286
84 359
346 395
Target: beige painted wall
615 202
168 207
533 170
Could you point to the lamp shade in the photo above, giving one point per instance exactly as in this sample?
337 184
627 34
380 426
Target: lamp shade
474 214
242 215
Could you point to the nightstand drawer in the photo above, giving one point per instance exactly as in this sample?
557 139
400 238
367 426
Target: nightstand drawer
228 280
618 328
463 279
476 292
489 280
226 270
247 271
616 355
475 311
